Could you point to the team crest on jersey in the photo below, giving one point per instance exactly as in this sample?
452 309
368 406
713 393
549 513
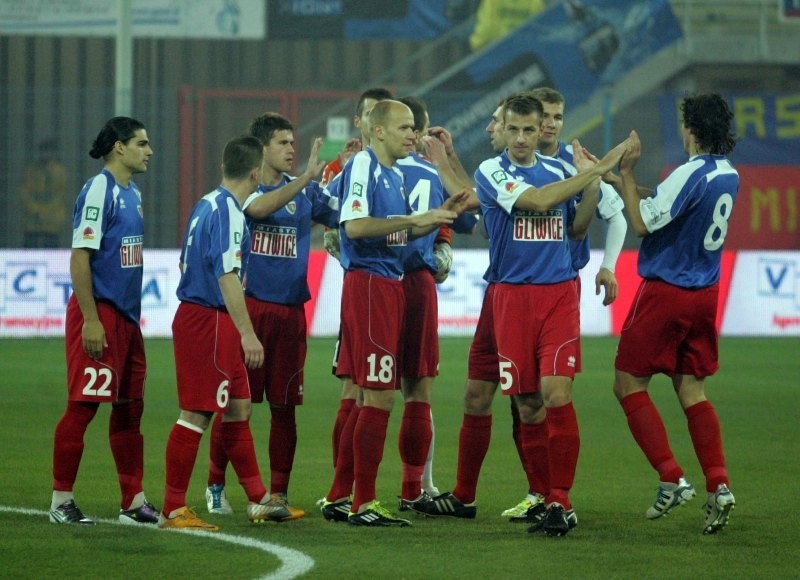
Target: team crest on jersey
88 234
499 176
291 207
355 207
358 190
92 213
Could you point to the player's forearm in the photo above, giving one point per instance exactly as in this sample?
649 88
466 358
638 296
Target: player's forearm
630 194
584 211
81 273
615 238
233 295
370 227
544 198
268 203
458 169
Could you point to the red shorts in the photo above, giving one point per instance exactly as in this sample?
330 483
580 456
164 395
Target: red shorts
670 330
208 359
526 332
281 328
420 340
120 373
372 315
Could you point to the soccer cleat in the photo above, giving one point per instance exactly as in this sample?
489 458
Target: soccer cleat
718 509
217 501
186 519
528 511
336 511
69 513
145 514
538 526
271 510
669 496
556 522
375 515
445 504
408 504
295 513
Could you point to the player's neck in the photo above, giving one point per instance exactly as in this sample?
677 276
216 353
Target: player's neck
239 188
384 157
271 177
551 150
122 175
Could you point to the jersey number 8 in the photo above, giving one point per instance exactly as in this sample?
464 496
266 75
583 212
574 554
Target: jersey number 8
716 232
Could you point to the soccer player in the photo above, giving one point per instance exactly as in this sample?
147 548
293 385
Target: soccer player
347 415
671 327
105 351
426 261
609 208
375 226
279 216
527 334
212 333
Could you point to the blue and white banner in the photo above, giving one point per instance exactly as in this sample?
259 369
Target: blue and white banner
576 47
221 19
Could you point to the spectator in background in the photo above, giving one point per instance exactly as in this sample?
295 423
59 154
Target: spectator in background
44 198
497 18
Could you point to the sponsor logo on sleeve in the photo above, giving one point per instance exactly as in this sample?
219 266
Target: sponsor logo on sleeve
92 213
355 207
88 233
358 190
499 176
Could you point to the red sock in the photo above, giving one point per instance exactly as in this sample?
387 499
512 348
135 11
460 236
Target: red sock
238 441
218 459
707 440
415 441
343 475
345 407
648 430
182 448
282 445
127 447
515 434
369 438
473 443
564 446
68 443
535 440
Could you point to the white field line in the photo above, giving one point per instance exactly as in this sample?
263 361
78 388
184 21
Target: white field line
293 562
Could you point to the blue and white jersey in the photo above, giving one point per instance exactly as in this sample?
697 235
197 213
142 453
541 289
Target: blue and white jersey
216 243
525 247
368 189
277 270
609 204
108 219
687 217
425 192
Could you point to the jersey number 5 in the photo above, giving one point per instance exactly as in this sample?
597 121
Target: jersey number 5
716 232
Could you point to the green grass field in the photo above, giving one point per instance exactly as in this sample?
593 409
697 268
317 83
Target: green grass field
755 393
